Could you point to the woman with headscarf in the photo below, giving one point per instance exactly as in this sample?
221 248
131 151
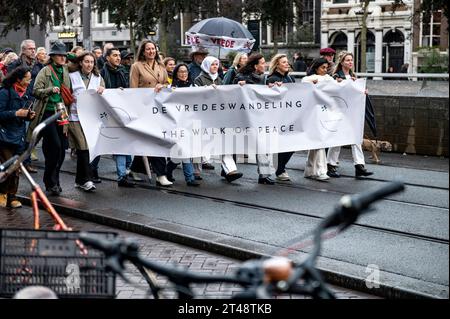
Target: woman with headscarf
342 72
316 163
149 72
210 76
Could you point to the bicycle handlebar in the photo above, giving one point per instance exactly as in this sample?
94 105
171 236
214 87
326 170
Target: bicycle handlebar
120 250
262 278
14 163
8 163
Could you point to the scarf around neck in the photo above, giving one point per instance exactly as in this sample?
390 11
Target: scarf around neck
20 90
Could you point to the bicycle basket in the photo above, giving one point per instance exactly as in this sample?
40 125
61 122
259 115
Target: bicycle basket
53 259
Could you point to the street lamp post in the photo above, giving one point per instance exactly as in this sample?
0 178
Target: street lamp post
87 25
363 39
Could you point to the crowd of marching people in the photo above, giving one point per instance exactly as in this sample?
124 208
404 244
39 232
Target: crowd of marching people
34 85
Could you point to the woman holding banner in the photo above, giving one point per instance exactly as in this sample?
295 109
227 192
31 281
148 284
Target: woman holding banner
253 73
239 61
344 71
181 79
149 72
86 77
316 163
278 74
210 76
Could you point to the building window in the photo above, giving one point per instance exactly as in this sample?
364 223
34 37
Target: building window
110 17
280 34
308 12
431 29
99 17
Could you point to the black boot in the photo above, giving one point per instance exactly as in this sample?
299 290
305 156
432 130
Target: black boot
360 171
332 171
171 166
266 181
233 176
124 182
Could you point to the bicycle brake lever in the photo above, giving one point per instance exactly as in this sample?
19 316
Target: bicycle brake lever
114 264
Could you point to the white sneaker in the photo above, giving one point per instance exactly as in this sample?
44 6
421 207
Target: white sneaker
163 181
322 177
87 187
283 177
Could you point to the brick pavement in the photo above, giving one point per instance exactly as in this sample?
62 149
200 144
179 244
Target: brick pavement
160 251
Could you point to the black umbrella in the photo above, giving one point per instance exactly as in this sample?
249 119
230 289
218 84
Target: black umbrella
221 27
222 33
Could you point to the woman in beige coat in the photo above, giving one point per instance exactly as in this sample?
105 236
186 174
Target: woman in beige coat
149 72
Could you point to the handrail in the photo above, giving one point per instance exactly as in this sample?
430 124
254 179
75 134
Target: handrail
389 75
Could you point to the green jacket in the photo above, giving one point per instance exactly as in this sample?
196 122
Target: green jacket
42 89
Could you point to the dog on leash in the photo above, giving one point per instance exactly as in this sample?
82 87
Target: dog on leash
375 147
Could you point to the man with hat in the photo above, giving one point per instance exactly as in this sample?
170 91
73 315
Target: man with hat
328 54
126 60
5 51
197 57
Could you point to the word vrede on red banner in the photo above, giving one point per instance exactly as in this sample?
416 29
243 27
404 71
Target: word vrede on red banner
238 44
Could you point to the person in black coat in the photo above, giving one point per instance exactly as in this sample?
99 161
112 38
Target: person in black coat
253 73
239 61
114 75
197 57
27 59
299 64
342 72
279 74
14 111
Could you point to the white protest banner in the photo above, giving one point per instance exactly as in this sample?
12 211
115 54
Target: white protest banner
229 119
204 40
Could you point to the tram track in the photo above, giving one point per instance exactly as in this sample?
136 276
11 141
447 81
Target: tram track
405 234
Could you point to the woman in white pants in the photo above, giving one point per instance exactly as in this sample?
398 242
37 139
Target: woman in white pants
253 73
210 76
316 164
344 71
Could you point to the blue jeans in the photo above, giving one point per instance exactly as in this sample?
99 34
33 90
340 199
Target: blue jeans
123 162
188 171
